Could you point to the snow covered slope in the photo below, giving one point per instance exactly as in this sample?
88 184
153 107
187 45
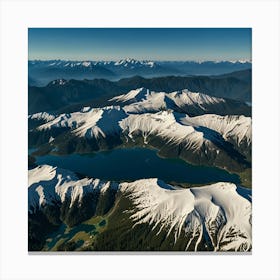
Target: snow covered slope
216 211
237 128
46 117
49 185
182 97
132 63
205 139
218 214
89 122
164 125
126 62
171 127
143 100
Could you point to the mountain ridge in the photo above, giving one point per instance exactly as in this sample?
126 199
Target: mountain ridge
209 139
221 211
79 93
43 71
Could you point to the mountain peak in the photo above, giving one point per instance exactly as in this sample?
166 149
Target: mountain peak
59 82
86 63
131 62
133 95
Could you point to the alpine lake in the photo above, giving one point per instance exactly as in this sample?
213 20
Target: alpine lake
129 164
124 164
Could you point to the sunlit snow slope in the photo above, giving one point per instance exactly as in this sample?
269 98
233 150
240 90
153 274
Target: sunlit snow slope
205 139
143 100
218 214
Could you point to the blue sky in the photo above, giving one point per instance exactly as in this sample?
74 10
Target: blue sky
139 43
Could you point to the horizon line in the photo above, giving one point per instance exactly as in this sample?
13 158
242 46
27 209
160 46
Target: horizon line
155 60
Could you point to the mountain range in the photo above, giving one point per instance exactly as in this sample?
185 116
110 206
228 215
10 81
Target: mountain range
69 211
194 116
41 72
143 215
158 120
71 95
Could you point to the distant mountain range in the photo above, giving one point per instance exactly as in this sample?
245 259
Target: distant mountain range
41 72
72 95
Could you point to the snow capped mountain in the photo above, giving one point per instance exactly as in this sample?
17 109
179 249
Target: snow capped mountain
48 185
187 125
46 117
166 112
86 63
42 72
143 100
238 128
164 125
184 97
179 97
218 215
177 128
217 211
242 61
200 139
38 119
60 82
127 62
89 122
133 95
131 120
131 63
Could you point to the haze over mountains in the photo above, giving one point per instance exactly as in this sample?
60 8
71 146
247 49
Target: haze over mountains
40 73
71 95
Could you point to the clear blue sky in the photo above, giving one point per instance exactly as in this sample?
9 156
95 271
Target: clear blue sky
139 43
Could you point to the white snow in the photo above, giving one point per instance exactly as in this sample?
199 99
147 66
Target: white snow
42 116
86 63
187 97
242 61
85 109
144 100
150 63
41 173
163 124
130 62
133 95
217 209
237 128
89 122
47 184
172 127
59 82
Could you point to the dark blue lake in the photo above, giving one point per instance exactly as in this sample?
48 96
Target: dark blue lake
137 163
